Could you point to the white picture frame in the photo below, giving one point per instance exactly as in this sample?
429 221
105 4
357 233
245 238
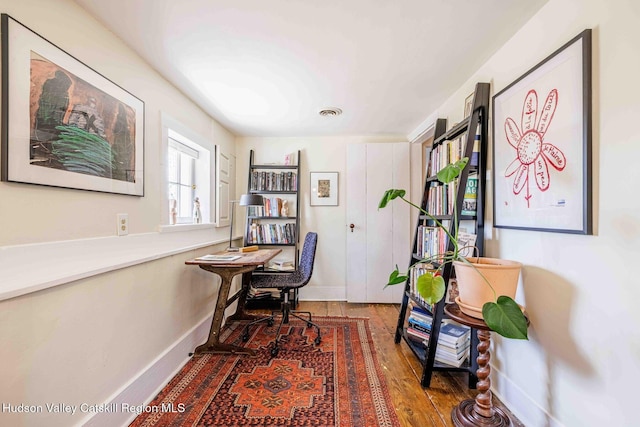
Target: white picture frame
324 188
91 133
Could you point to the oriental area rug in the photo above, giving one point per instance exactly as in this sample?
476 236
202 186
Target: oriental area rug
338 383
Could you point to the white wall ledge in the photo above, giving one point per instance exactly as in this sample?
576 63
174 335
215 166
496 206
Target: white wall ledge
34 267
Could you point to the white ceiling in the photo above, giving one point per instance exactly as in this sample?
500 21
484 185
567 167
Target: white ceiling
266 67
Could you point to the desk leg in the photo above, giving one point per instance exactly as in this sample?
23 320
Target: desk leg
480 412
213 344
240 313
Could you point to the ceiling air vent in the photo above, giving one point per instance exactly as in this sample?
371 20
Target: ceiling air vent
327 112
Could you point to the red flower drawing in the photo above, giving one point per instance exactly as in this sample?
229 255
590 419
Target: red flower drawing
532 153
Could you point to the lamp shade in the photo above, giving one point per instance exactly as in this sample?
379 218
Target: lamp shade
251 200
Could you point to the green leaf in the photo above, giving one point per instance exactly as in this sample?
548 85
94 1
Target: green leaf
452 171
505 318
395 278
430 287
389 195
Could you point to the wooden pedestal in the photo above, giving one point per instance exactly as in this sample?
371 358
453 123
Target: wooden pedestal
479 412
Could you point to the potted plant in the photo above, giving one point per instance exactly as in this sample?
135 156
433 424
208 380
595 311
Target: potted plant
498 309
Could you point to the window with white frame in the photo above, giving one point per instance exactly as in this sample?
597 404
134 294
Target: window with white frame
188 177
182 184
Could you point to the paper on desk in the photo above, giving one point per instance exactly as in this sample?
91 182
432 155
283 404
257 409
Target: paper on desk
218 258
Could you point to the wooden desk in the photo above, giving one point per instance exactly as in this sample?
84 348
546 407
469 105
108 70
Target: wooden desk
227 270
478 412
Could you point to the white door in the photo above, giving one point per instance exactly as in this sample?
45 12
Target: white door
379 239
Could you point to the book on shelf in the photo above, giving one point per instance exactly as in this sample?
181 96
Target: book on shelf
263 293
454 334
289 159
446 348
421 319
453 354
475 155
420 326
453 360
281 265
272 233
416 271
466 243
419 311
273 181
417 335
470 201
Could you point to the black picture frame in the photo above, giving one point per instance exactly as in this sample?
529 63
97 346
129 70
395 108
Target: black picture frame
542 171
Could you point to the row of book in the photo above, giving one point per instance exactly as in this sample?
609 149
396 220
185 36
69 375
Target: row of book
274 181
441 197
431 241
272 233
416 271
453 339
272 207
450 151
263 293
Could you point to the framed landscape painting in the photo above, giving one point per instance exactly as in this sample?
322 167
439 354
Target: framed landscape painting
64 124
542 145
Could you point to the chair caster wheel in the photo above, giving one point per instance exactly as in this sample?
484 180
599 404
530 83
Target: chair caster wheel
317 341
245 337
270 322
309 324
274 352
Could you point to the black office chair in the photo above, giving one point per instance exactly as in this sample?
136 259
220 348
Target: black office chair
285 283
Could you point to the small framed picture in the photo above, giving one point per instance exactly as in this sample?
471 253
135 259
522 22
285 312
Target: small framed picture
452 291
324 188
468 104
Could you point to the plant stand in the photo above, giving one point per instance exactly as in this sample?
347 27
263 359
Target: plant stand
478 412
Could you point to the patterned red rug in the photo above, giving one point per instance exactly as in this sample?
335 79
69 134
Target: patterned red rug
338 383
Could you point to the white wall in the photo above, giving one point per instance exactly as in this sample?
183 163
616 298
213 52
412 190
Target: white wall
82 341
582 362
107 308
319 154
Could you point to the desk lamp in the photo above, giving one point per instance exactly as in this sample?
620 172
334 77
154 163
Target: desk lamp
245 200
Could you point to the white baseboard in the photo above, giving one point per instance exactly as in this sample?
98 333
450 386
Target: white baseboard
145 386
323 293
519 402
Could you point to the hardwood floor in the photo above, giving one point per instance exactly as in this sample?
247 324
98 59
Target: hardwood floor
414 405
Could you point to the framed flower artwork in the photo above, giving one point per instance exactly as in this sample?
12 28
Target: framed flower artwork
542 145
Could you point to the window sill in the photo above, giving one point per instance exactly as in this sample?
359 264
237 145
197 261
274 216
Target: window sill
185 227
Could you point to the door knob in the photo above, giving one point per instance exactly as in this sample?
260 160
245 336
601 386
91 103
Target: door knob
352 226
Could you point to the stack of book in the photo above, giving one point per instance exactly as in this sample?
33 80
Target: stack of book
418 325
453 340
264 293
453 344
281 265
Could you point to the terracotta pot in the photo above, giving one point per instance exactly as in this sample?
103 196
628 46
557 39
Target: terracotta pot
473 288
